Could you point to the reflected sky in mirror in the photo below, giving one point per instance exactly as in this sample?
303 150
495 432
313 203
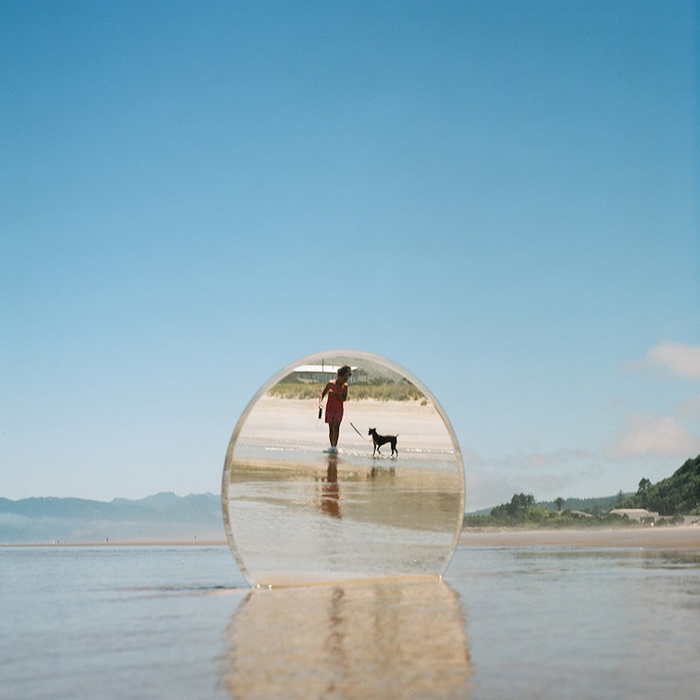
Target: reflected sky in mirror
295 513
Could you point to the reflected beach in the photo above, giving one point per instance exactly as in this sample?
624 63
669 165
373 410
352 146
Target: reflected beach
345 521
395 639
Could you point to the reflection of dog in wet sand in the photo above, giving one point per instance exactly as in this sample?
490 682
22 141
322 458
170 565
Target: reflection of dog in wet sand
380 440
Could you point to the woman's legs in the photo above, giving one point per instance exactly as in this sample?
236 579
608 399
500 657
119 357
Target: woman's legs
333 433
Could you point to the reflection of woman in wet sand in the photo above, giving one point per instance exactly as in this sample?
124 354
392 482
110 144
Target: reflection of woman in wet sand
337 394
330 491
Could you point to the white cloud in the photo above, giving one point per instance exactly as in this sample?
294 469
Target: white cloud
657 436
679 359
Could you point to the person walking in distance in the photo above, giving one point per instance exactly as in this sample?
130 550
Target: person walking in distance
337 392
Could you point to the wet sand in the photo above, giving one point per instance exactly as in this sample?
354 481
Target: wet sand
507 622
672 537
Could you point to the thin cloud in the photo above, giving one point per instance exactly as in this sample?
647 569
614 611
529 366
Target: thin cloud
542 486
677 358
471 458
557 458
655 436
486 489
690 408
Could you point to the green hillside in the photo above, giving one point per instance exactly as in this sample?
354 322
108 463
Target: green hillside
673 497
679 493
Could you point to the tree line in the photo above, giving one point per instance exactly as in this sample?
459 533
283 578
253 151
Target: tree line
524 511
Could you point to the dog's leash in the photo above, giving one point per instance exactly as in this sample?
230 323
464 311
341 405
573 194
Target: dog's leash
356 430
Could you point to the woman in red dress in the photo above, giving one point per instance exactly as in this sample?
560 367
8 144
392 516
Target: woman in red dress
337 394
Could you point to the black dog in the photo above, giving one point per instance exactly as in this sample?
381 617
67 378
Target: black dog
380 440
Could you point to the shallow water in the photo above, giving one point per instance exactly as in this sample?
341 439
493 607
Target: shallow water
571 623
178 622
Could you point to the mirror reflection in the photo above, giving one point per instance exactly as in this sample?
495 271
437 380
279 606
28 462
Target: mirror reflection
342 467
384 640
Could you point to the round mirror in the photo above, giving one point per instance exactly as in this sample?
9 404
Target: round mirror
342 467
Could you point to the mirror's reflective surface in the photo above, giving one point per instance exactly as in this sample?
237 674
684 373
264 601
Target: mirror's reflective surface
299 508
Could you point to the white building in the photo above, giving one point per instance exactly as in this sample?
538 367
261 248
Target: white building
322 373
641 514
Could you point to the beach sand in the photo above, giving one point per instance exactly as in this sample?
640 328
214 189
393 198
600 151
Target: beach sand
418 425
671 537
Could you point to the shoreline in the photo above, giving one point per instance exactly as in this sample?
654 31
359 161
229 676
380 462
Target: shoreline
119 543
274 420
672 537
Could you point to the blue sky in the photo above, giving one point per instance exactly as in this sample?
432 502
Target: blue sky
500 196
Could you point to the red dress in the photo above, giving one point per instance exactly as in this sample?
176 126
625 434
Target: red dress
334 405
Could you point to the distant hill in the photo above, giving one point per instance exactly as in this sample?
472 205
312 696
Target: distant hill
679 493
164 517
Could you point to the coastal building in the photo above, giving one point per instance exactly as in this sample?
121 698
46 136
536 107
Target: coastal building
322 373
642 515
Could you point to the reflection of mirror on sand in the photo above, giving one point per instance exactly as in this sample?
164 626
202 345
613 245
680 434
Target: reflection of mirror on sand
296 513
390 639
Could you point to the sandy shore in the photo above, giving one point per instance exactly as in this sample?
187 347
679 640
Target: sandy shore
295 421
678 537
